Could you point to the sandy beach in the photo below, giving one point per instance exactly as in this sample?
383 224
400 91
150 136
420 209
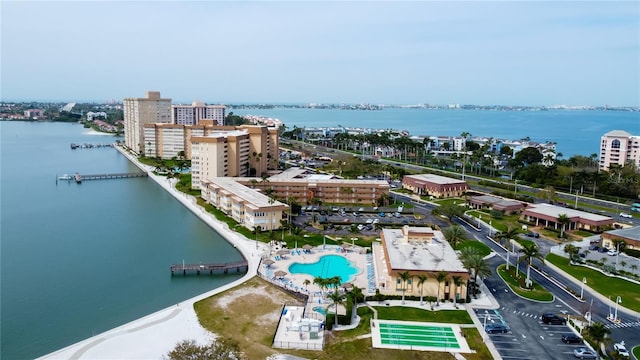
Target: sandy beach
154 335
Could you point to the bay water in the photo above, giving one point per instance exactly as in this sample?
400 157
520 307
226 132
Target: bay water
576 132
80 259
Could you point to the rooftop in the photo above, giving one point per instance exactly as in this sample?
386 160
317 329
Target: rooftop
437 179
251 196
434 255
629 233
555 211
620 133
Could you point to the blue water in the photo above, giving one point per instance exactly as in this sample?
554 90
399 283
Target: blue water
320 310
327 266
78 260
575 132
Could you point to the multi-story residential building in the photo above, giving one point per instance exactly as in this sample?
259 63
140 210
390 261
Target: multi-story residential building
434 185
197 111
245 150
309 188
418 251
141 111
619 148
247 206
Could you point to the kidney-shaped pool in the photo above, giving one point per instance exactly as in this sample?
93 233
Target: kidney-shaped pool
327 266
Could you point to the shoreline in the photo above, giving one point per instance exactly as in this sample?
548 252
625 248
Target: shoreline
154 335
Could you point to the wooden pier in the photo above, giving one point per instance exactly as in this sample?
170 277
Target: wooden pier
80 177
90 146
198 268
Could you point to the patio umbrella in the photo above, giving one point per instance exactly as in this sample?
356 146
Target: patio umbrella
347 285
345 246
280 273
268 262
283 252
307 247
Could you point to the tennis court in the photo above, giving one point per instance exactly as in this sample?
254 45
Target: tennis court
418 336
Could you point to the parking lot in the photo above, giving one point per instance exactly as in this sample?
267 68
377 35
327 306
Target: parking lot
367 220
547 343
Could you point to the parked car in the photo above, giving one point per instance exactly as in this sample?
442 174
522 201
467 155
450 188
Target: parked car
594 247
584 353
602 250
496 329
612 252
553 319
571 338
625 215
621 349
533 234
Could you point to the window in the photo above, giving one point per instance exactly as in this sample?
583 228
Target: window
615 144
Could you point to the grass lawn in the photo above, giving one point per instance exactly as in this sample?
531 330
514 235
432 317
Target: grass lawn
414 314
498 224
608 286
517 285
636 352
483 249
456 201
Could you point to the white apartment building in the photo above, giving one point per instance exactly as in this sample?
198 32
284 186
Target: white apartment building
192 114
140 111
618 147
247 206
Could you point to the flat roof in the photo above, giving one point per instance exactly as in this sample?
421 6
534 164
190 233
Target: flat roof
629 233
245 193
289 173
436 256
555 211
437 179
497 200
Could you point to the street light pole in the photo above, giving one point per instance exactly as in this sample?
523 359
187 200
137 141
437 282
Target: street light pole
615 316
584 281
508 254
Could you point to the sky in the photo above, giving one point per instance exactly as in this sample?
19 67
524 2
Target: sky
420 52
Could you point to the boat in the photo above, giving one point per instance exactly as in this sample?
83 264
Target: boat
78 178
65 177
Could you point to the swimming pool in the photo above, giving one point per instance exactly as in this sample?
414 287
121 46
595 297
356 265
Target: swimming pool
327 266
320 310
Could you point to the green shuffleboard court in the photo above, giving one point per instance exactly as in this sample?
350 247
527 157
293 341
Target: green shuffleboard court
417 336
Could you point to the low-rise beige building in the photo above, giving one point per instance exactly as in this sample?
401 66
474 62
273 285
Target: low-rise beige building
547 215
631 237
434 185
418 251
247 206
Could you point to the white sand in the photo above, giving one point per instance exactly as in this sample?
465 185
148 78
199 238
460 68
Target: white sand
153 336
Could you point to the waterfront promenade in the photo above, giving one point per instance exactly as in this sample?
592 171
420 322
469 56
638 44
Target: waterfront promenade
154 335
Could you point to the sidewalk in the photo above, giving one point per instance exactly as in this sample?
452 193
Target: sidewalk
154 335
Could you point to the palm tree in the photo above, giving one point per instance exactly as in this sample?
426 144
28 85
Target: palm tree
529 252
455 234
598 332
507 235
356 294
478 265
306 283
634 267
457 281
405 276
321 282
563 220
337 299
440 277
422 278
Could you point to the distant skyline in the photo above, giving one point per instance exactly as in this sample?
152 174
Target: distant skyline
538 53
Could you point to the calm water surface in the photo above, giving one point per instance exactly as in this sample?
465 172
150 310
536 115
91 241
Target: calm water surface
575 132
77 260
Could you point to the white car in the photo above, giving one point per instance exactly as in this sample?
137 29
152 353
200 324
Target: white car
625 215
612 252
621 349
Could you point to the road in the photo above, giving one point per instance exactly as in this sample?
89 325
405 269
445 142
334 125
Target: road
529 338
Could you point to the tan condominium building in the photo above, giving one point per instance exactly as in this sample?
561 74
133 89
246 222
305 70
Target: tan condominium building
140 111
619 148
434 185
317 188
247 206
197 111
418 251
223 151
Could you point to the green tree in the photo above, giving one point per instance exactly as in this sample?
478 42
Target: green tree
219 349
505 236
405 276
563 220
337 299
356 294
529 252
478 266
451 210
455 234
440 277
422 278
598 332
457 281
